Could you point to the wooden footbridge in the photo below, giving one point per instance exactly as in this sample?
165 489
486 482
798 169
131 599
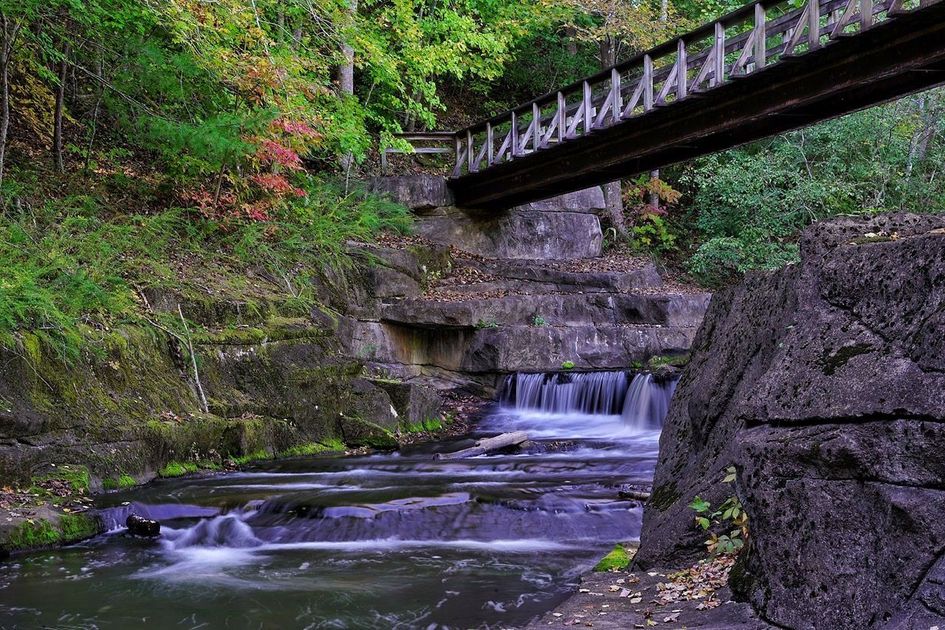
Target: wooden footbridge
766 68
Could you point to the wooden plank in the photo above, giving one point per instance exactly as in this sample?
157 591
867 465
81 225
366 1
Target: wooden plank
575 121
487 445
506 143
514 148
668 84
795 37
866 14
682 77
747 52
634 100
647 83
536 124
588 117
469 151
479 158
617 104
490 141
761 37
718 74
845 17
562 117
813 25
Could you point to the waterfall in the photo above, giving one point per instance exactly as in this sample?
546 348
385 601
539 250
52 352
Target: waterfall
642 400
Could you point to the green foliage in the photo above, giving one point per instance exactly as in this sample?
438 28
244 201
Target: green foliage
652 234
729 514
751 202
617 560
538 321
72 267
567 365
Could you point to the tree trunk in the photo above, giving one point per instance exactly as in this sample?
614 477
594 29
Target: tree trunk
10 32
346 70
60 107
346 80
654 197
613 195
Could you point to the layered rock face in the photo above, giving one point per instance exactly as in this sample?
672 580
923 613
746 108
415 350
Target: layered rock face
824 385
522 290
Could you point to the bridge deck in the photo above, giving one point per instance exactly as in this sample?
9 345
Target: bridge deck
755 73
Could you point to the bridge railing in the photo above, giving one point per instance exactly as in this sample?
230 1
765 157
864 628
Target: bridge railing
738 45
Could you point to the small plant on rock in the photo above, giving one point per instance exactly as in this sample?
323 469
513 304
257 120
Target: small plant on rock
567 365
729 514
487 323
538 321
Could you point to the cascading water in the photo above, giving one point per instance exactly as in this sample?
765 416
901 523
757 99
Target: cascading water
380 541
624 403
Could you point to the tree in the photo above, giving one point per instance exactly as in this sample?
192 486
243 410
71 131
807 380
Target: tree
617 27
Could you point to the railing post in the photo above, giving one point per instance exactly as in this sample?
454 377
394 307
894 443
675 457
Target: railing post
459 157
588 105
470 158
617 104
513 150
536 121
719 51
647 83
562 117
490 140
866 14
682 71
761 37
813 25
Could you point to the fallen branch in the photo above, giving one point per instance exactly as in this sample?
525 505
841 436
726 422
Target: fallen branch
636 495
487 445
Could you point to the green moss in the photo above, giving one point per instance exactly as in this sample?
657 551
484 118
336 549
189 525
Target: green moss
35 534
617 560
674 360
122 482
664 496
74 527
255 456
76 476
833 362
178 469
428 425
330 445
567 365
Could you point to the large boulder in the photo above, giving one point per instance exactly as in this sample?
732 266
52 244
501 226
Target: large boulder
824 385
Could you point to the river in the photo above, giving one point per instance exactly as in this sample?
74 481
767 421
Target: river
396 540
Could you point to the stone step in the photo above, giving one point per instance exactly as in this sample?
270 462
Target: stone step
467 354
533 277
555 310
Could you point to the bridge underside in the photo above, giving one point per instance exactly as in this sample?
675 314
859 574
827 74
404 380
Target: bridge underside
894 58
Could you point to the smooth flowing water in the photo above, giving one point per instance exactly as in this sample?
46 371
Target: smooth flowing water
384 541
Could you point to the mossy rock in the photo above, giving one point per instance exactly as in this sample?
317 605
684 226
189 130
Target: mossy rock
617 560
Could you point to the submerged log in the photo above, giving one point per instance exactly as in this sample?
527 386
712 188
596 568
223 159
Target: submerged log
487 445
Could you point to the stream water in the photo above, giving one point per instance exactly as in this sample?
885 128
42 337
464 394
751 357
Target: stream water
383 541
